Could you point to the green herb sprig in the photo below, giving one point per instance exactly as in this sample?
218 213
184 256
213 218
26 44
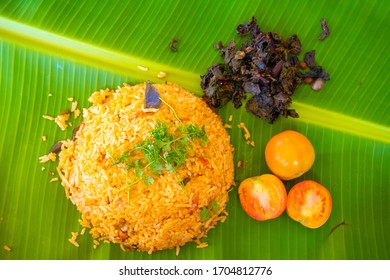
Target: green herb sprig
162 151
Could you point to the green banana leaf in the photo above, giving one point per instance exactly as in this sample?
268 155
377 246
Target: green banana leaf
51 50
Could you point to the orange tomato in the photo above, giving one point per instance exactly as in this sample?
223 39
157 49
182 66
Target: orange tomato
289 154
263 197
309 203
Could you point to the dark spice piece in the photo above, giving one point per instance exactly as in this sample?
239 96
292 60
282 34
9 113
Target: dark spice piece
343 223
310 59
293 44
217 86
266 67
56 147
325 30
316 72
248 27
185 181
173 43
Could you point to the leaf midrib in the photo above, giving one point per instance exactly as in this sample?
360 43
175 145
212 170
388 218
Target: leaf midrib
117 62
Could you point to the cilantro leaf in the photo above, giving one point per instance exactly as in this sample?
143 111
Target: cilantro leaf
214 206
148 180
139 172
205 214
169 167
163 150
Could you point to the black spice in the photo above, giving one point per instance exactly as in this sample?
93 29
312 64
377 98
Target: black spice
310 59
325 30
248 27
173 43
185 181
56 147
265 66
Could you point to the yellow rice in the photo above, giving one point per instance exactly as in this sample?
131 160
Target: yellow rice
166 214
74 238
48 157
7 248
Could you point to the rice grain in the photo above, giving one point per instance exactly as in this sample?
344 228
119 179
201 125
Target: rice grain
7 248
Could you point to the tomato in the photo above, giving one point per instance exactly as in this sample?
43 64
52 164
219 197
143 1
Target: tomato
309 203
263 197
289 154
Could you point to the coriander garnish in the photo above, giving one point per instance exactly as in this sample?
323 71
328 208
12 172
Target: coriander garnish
164 150
206 212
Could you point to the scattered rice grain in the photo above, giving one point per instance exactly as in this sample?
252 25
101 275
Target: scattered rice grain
61 120
74 242
161 75
48 117
76 113
177 250
73 239
7 248
74 106
202 245
245 130
223 219
251 143
48 157
142 68
95 243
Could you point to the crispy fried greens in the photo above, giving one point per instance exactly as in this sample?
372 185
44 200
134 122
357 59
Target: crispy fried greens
265 66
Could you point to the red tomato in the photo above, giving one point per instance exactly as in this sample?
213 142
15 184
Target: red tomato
309 203
289 154
263 197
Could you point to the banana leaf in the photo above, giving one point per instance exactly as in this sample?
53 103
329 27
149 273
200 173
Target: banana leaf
52 50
